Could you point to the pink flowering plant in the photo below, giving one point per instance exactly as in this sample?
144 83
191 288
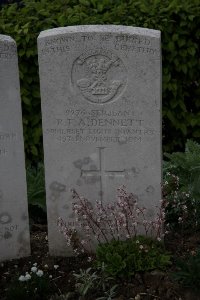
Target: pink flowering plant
123 219
181 188
180 205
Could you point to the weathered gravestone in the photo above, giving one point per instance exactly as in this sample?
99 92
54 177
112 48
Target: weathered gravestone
101 94
14 227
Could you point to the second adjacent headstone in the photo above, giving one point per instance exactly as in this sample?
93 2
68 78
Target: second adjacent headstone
14 223
101 98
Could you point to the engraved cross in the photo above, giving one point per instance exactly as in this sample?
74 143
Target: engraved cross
102 173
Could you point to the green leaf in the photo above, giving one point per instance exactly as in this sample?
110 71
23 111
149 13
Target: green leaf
181 42
34 150
191 51
84 2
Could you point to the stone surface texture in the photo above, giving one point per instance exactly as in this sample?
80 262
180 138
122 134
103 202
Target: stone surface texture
14 224
101 101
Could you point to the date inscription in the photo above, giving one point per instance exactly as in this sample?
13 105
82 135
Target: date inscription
93 126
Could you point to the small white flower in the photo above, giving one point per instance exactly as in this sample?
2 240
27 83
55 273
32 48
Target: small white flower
56 267
46 266
27 277
137 297
34 269
158 239
22 278
50 276
141 247
137 242
35 264
39 273
180 219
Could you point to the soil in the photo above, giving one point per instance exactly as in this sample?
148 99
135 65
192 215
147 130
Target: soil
152 286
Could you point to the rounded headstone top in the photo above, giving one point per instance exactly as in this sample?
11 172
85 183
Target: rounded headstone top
101 28
6 38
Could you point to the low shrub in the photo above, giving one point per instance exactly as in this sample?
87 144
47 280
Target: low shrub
188 271
125 258
181 188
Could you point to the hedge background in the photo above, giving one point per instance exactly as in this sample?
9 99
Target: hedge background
179 22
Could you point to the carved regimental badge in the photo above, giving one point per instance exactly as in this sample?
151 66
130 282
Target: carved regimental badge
99 75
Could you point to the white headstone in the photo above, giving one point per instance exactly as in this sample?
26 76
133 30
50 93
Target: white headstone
101 98
14 225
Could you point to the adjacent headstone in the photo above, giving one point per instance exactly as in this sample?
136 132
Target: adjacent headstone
14 225
101 98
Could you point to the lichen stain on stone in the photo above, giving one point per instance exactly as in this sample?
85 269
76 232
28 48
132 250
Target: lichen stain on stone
56 186
150 189
80 162
135 171
87 160
56 189
5 218
7 235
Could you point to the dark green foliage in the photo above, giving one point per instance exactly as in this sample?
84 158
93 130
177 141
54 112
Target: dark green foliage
188 273
36 186
186 165
125 258
179 22
182 186
36 194
61 297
